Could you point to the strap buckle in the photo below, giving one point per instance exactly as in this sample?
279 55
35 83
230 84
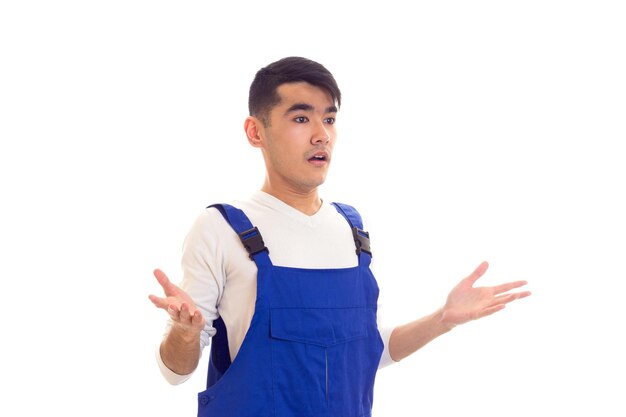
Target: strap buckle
252 241
362 241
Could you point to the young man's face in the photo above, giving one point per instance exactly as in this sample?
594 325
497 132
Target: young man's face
299 139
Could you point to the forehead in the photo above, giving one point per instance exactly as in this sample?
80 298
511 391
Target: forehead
305 93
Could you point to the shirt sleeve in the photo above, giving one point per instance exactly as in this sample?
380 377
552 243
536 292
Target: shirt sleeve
202 281
385 359
385 329
169 375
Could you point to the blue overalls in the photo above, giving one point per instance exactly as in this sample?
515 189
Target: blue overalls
313 346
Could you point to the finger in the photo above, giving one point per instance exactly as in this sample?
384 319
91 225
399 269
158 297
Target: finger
478 272
185 314
158 301
174 312
197 319
489 311
507 298
499 289
164 281
161 277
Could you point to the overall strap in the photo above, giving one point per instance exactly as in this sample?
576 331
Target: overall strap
248 234
219 359
361 237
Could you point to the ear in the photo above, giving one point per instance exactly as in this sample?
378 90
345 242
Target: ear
254 131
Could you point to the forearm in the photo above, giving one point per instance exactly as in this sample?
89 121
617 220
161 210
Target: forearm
180 350
410 337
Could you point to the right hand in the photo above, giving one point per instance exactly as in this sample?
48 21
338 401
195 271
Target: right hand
178 304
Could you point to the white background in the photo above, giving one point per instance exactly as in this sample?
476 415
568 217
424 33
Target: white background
470 131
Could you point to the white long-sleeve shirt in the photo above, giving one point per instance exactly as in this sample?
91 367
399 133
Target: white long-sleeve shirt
221 278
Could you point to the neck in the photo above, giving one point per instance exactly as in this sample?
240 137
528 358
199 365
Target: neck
307 202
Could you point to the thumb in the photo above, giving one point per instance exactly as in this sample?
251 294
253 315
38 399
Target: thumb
164 282
478 272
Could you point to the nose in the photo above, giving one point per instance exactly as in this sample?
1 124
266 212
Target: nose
320 135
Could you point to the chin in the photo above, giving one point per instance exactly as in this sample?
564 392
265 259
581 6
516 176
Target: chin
321 181
312 185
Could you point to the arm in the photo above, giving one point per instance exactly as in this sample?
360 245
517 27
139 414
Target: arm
464 303
200 289
180 349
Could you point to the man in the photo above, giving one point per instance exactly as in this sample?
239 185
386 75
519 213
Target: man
282 281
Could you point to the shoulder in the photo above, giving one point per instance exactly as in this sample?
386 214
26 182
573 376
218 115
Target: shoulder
208 229
350 213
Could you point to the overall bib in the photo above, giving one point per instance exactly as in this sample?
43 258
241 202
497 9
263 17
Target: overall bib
313 346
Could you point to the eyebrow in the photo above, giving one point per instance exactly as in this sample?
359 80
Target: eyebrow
308 107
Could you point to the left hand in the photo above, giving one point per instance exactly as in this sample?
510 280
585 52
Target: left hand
466 302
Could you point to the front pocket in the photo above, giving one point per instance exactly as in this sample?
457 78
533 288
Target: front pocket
318 326
304 343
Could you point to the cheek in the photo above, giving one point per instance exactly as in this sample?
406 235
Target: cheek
332 142
333 134
285 153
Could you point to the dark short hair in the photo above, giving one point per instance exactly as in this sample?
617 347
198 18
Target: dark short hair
263 90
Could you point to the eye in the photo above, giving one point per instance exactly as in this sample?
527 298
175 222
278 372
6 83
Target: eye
330 120
300 119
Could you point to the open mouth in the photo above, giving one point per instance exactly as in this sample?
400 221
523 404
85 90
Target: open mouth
318 158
